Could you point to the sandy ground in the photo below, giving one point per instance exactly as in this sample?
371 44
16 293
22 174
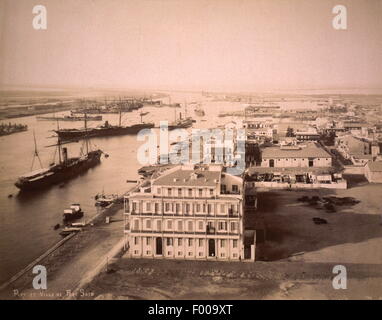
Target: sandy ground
79 259
296 261
298 256
136 279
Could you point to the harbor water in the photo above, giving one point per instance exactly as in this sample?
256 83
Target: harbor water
27 218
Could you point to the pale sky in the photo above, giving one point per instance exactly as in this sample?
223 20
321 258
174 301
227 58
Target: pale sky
192 44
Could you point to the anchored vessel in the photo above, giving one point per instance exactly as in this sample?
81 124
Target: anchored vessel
10 128
61 171
70 118
104 130
74 212
199 111
185 122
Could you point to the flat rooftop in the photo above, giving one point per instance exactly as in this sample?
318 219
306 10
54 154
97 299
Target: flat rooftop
192 178
310 150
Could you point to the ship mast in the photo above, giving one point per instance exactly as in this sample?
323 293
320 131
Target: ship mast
120 111
59 144
86 134
35 152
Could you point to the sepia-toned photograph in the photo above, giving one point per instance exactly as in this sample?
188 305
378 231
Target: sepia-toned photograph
200 150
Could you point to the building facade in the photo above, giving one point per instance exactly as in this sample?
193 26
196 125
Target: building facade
187 212
306 156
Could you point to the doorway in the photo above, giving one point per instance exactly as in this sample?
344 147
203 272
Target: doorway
271 163
211 248
159 246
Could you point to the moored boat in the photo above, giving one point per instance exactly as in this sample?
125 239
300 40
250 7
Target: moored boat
74 212
68 230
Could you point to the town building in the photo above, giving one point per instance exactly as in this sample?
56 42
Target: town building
188 212
308 135
373 171
358 150
306 155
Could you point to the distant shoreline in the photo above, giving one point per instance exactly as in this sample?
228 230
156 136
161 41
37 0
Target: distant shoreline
19 112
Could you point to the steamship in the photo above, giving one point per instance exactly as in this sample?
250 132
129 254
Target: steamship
67 167
104 130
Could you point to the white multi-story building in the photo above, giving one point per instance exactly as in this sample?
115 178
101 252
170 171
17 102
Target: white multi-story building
188 212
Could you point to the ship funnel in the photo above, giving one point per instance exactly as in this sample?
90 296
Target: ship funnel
65 154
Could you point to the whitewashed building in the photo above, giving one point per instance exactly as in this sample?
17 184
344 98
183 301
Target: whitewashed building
187 212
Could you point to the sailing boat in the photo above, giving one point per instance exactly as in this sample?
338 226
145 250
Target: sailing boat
58 172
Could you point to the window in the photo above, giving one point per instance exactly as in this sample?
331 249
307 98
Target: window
169 224
169 191
201 225
209 208
198 207
190 242
159 225
167 206
169 241
235 188
148 241
190 226
187 208
200 242
234 244
211 192
136 240
159 190
204 207
190 192
179 192
223 225
136 224
200 192
222 243
177 208
134 206
180 253
148 224
179 241
222 208
148 206
233 226
180 225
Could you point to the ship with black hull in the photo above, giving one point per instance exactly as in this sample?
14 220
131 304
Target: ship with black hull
181 123
104 130
66 168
